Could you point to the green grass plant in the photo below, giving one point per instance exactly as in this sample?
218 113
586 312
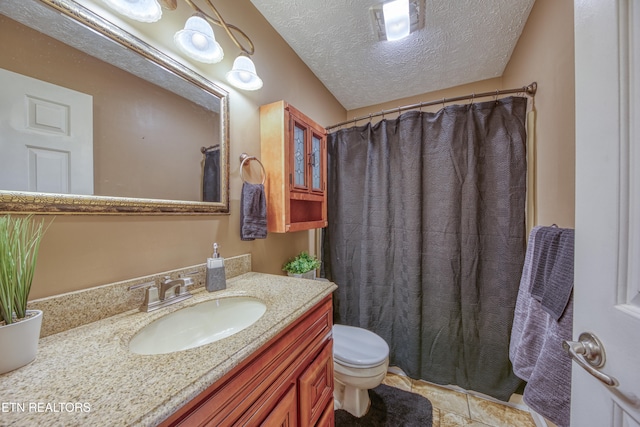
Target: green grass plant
19 244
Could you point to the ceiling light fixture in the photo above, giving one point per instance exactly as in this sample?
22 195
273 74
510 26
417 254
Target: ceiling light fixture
197 39
381 19
396 19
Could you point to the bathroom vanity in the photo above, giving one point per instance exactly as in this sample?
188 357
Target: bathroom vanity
279 370
288 382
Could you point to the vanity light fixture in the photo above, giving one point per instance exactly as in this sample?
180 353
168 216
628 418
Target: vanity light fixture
197 39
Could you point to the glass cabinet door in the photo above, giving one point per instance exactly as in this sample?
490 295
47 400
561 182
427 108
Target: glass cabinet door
299 156
307 157
316 163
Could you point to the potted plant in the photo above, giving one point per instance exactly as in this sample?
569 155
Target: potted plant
303 265
19 327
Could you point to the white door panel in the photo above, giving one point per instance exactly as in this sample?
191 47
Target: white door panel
607 269
46 137
48 171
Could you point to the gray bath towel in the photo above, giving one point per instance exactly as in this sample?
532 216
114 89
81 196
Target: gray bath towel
552 272
253 212
526 342
536 346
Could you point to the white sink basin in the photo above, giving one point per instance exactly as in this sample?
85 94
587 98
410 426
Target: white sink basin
197 325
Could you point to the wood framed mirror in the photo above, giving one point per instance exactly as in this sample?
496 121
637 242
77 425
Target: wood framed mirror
158 132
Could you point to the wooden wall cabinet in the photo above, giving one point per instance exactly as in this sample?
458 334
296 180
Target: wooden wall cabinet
288 382
294 155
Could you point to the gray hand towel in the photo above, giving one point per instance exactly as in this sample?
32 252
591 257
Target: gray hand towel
553 269
253 212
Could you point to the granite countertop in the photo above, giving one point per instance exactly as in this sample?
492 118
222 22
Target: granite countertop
87 376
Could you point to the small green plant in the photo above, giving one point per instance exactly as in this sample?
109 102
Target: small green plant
19 244
301 264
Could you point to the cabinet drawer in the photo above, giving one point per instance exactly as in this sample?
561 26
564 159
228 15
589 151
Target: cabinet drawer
316 386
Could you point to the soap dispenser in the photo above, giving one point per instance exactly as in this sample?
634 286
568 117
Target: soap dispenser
216 278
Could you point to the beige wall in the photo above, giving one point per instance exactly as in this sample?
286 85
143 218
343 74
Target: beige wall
488 85
85 251
544 54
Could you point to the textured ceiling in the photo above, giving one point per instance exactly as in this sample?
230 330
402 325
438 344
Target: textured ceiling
462 41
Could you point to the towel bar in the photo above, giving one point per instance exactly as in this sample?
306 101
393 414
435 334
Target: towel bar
211 147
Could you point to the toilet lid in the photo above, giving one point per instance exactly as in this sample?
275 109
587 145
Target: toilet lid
357 347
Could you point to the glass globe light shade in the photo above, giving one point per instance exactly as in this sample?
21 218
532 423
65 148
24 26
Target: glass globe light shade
243 74
198 42
139 10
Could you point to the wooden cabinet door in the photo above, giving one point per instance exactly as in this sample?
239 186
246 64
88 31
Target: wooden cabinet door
315 387
285 414
328 417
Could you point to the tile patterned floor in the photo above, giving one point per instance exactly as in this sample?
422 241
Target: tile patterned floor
457 409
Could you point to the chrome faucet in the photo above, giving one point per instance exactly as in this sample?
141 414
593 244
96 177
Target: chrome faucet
169 287
171 291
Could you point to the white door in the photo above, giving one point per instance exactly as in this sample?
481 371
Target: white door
46 137
607 265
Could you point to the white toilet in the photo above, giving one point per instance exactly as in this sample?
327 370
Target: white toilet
360 362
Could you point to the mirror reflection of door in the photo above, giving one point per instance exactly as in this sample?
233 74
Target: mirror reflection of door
46 137
147 139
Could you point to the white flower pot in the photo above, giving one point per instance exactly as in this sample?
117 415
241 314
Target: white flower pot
19 342
308 275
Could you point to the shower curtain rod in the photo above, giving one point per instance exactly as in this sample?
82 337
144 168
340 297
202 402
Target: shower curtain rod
528 90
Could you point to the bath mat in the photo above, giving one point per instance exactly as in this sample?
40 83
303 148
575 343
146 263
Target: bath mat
390 407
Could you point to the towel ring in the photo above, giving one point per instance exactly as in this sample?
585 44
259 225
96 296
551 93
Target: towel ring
244 157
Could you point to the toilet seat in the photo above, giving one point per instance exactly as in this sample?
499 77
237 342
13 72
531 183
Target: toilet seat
358 348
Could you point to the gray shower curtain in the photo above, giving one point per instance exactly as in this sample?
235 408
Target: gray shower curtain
426 238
